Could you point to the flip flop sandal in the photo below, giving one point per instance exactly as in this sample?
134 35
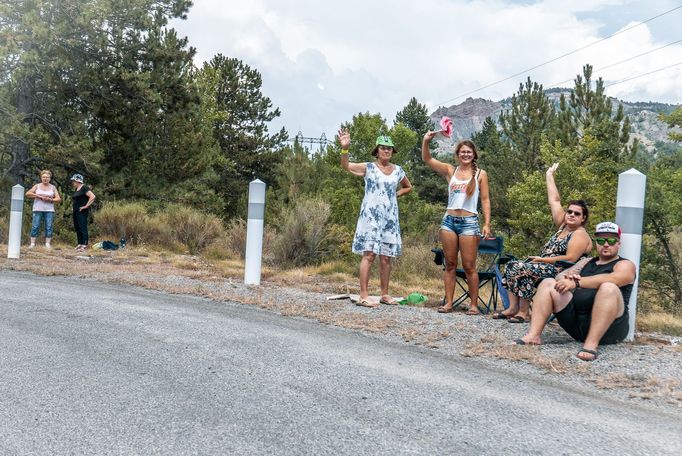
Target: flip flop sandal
472 311
388 302
366 303
523 342
445 310
500 316
517 319
591 352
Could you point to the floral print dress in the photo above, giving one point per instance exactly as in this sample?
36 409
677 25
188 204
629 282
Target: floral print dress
520 278
378 227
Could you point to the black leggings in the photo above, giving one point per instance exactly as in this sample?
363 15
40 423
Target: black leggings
80 224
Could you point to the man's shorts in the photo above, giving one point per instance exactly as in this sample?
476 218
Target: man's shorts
577 325
461 226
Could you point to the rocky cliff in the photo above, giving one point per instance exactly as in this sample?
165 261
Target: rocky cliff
468 118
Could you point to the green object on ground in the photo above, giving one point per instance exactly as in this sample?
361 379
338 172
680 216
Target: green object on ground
414 299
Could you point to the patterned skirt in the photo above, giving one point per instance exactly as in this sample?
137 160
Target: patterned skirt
521 278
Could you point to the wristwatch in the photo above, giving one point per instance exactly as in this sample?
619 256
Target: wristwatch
577 282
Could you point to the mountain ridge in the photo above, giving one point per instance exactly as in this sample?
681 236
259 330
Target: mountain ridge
468 118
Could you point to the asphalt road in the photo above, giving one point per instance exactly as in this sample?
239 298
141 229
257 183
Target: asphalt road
92 368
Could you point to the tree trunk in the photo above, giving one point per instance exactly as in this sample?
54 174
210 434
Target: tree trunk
19 150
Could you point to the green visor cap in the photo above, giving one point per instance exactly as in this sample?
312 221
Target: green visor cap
384 141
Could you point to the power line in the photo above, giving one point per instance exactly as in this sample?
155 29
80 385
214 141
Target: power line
618 63
642 75
559 57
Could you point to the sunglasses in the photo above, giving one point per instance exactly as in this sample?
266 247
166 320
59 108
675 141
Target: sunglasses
572 212
611 241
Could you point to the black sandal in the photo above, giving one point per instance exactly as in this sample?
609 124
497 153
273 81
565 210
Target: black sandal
591 352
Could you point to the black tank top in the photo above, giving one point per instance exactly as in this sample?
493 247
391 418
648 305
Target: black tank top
583 298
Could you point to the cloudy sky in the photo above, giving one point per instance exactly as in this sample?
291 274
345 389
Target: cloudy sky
324 61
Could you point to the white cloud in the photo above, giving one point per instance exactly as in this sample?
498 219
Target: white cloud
323 62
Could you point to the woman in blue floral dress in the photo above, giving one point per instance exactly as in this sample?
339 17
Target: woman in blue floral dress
378 228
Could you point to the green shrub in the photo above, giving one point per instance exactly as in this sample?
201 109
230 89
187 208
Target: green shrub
131 221
338 242
236 237
302 234
415 261
194 229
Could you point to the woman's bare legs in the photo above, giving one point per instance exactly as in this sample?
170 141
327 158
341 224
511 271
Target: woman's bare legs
365 268
468 246
450 243
384 275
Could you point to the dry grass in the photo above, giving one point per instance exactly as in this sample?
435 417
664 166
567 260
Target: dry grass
302 232
643 386
497 347
660 322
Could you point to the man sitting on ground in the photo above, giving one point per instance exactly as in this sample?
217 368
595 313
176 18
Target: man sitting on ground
590 299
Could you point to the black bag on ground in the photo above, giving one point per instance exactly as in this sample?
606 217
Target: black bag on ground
108 245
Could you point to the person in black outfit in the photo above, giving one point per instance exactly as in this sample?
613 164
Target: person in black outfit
82 200
590 299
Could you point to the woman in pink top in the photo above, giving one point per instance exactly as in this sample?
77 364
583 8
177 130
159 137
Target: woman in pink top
460 231
44 195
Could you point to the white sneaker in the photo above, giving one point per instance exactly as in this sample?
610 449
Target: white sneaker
32 246
48 246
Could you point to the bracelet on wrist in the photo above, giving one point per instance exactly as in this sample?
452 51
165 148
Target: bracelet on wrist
344 151
577 282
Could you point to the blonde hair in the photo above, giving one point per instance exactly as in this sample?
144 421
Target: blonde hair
46 171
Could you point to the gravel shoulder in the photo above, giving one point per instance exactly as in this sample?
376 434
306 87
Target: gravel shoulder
646 372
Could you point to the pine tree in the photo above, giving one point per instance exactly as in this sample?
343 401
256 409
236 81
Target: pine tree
103 88
503 169
429 186
530 116
589 112
674 119
239 114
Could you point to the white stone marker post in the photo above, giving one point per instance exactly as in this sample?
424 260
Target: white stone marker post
15 219
630 218
254 232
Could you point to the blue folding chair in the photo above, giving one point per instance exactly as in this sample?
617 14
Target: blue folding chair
489 253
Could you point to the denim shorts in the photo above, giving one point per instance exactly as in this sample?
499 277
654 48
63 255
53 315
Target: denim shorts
461 226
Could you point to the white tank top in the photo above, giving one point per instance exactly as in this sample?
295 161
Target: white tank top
457 196
43 206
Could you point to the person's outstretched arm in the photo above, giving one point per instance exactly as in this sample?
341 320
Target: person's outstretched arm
441 168
354 168
553 197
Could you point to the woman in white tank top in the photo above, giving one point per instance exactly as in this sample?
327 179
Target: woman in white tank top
459 231
44 195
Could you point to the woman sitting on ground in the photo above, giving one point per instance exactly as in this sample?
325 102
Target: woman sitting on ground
570 243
